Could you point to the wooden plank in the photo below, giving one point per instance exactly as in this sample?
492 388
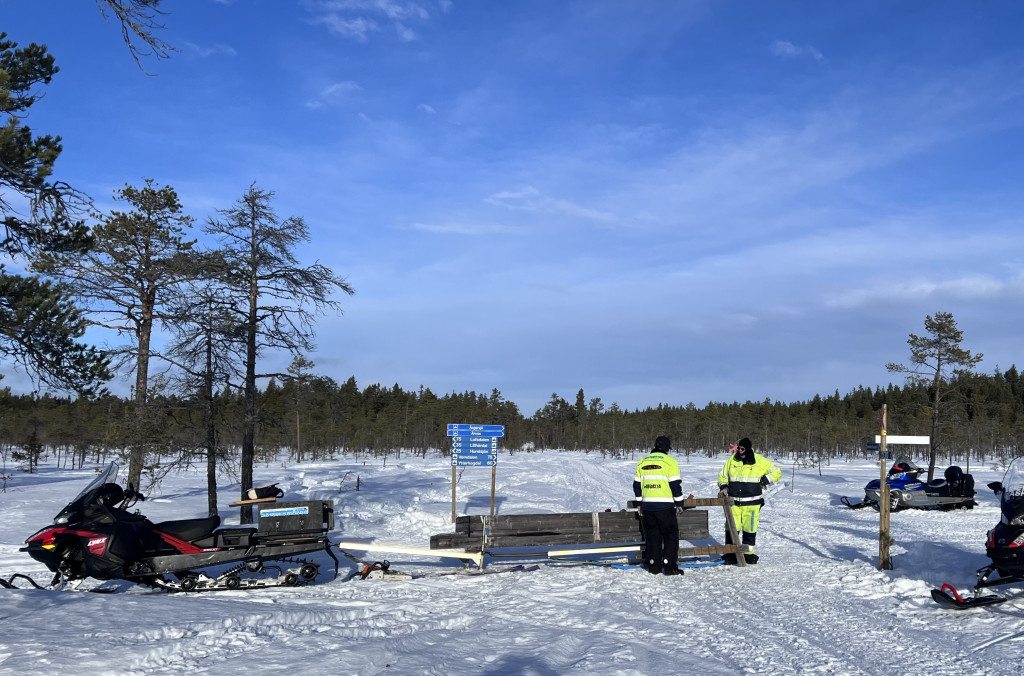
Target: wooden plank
683 551
730 523
602 528
252 502
454 540
687 503
475 557
586 522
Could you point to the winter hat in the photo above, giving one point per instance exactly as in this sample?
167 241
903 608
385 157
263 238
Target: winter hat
745 443
662 444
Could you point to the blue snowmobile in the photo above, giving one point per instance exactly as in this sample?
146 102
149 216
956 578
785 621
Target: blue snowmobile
907 491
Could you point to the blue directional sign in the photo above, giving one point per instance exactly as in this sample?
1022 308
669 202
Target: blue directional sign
474 459
872 447
464 430
483 444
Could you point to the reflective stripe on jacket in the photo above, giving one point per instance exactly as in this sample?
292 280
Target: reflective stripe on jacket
657 483
744 481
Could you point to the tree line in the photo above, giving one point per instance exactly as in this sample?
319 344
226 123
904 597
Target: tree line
316 419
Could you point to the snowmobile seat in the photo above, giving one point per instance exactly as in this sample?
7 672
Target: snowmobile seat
227 537
190 529
960 484
955 485
968 486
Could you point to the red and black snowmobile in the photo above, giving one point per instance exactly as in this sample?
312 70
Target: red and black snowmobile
96 536
1004 546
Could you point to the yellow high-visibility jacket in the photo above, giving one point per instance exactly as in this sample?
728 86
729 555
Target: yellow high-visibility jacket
743 480
657 483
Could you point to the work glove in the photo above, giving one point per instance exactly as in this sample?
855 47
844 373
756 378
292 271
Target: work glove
765 480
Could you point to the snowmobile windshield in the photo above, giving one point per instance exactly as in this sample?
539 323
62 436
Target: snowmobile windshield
905 465
1012 497
88 495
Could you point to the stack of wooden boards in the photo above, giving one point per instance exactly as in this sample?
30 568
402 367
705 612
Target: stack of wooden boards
475 533
484 532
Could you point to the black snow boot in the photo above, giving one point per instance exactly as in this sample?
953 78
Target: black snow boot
750 558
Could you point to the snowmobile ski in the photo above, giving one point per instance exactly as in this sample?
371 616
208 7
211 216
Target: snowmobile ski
949 597
856 505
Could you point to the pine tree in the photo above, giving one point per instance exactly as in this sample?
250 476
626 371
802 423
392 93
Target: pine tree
935 360
275 300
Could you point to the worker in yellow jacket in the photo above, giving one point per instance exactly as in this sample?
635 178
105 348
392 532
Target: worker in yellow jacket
743 478
659 494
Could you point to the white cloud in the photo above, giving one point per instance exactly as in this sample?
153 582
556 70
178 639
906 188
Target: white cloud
358 19
531 199
967 288
341 88
787 49
216 50
405 34
358 28
423 107
468 229
333 92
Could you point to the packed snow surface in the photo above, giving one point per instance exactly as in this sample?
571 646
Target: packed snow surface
815 604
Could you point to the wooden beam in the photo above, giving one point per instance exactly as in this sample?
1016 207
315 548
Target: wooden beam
236 503
683 551
730 523
475 557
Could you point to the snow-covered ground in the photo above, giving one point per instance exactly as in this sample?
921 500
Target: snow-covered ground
815 604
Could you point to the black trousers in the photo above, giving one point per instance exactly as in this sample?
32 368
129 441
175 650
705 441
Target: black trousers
661 538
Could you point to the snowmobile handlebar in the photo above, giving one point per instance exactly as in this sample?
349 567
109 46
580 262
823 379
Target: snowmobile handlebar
131 496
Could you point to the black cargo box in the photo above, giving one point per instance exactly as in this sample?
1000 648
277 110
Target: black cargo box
311 517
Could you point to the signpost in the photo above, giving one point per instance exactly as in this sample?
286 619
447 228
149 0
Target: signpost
475 446
881 441
884 538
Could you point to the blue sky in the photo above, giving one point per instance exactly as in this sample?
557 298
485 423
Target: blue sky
655 201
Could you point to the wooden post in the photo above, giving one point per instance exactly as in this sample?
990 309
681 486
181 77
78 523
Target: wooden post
730 523
453 493
494 475
884 536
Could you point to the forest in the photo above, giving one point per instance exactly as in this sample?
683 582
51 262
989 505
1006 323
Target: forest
317 419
